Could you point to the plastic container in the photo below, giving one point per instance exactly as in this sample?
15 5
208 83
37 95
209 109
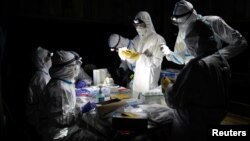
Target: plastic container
170 73
152 99
153 96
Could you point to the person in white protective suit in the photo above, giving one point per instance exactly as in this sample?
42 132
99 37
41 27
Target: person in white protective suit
58 112
231 41
199 96
42 62
126 70
146 55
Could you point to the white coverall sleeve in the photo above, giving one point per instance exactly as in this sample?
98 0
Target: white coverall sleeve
180 57
176 58
236 42
153 58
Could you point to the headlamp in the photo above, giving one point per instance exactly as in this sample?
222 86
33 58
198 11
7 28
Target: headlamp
139 22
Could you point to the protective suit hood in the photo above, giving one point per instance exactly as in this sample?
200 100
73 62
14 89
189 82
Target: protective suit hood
116 41
145 17
39 57
182 7
64 65
183 14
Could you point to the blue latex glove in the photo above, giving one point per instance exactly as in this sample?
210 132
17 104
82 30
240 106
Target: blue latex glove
81 92
80 84
87 107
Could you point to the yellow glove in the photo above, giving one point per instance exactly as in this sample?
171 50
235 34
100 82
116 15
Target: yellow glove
165 81
129 54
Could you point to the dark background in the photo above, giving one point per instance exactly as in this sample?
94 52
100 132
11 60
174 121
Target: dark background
85 25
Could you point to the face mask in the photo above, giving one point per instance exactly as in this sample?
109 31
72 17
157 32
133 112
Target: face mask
77 70
49 63
140 27
141 30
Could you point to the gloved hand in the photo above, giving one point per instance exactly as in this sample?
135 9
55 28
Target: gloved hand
165 49
129 54
81 92
165 81
80 84
120 50
87 107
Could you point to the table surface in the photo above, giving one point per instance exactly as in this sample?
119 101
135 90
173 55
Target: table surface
104 125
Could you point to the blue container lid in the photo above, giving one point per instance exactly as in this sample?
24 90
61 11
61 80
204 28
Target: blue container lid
171 73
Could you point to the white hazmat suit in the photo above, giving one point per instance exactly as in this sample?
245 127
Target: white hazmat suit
42 61
231 41
59 113
146 55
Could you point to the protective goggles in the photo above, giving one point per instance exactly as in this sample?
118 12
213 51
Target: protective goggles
139 23
79 61
175 17
77 58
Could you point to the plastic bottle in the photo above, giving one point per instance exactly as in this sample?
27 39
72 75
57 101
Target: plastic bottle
100 97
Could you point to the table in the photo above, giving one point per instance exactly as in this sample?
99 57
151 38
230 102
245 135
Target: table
158 115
